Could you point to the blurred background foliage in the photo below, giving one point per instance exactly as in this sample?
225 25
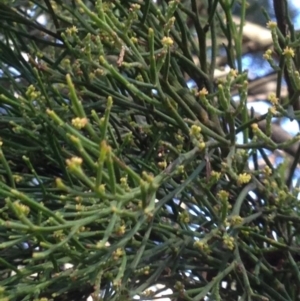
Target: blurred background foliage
131 161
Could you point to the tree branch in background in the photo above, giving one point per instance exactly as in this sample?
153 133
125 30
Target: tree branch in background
279 135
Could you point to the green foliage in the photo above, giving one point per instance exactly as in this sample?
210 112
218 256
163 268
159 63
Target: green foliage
110 163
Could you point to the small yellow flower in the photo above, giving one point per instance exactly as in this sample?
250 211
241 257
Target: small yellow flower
148 177
216 175
78 199
162 164
268 54
179 147
288 52
273 99
184 217
167 41
134 40
272 110
267 171
117 253
79 123
17 178
274 185
120 230
179 137
233 72
271 25
203 246
21 208
74 162
254 127
146 270
101 189
124 183
244 178
180 169
71 30
226 223
135 7
236 220
195 130
228 242
32 93
201 145
203 92
79 207
223 195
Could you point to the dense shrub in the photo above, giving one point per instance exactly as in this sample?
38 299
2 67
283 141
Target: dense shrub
120 165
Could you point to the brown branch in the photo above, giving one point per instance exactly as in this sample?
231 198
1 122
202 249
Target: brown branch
279 135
